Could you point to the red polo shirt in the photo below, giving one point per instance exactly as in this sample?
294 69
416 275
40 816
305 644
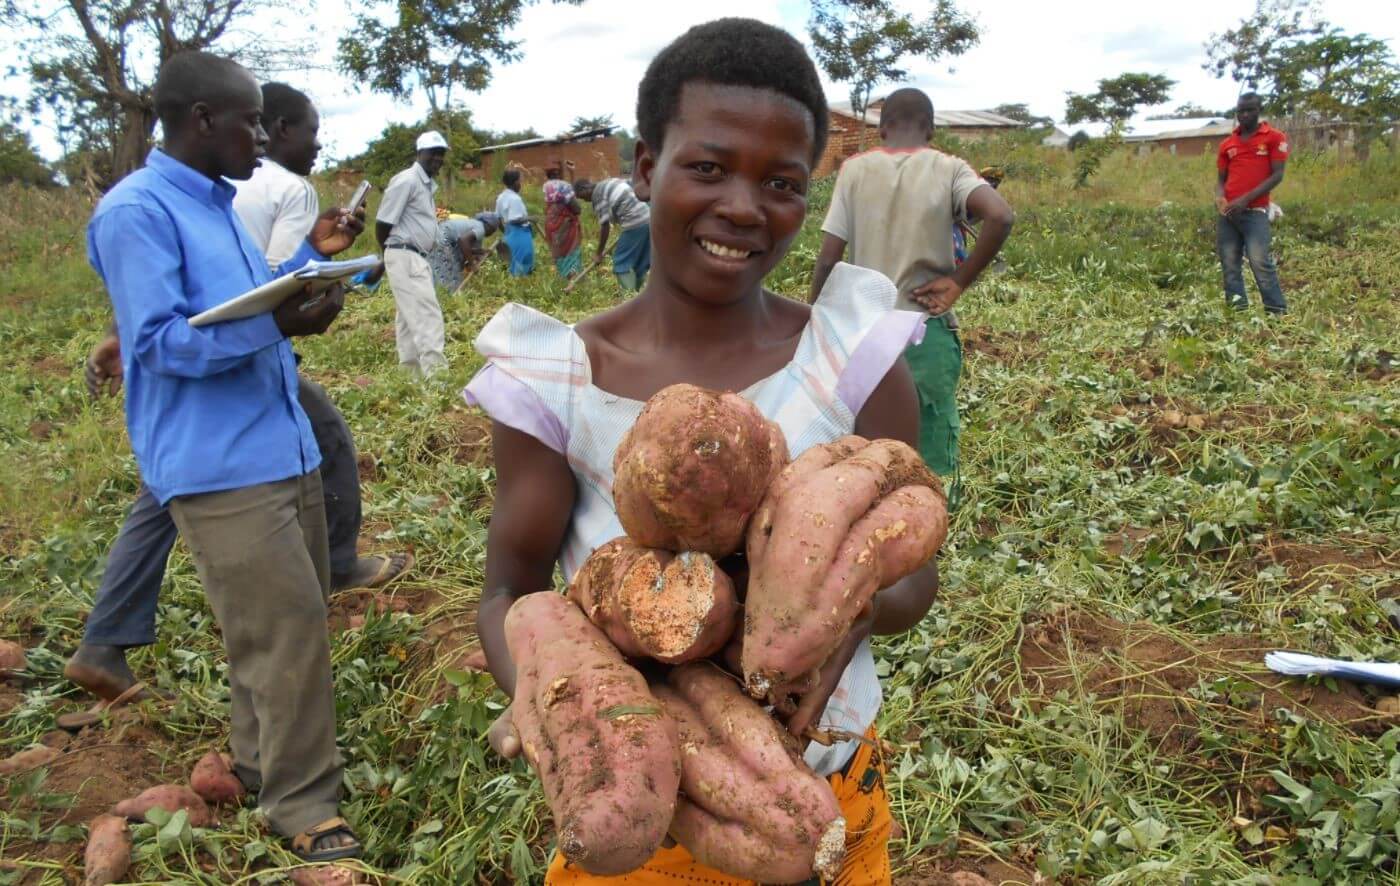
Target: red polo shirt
1248 161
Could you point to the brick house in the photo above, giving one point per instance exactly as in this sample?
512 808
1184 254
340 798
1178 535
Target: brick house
847 135
593 152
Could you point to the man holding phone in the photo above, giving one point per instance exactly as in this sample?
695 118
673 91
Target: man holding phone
221 437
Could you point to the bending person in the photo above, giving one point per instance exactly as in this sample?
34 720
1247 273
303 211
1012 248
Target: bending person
615 203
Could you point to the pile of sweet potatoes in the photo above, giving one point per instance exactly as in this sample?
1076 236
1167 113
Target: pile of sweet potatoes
627 759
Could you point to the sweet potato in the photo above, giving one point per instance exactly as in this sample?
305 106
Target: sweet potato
670 607
749 805
824 542
12 658
170 797
692 470
29 758
600 742
108 854
213 780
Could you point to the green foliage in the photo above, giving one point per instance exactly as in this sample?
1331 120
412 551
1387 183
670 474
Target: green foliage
433 46
1118 98
19 162
394 149
598 122
864 42
1022 112
1089 155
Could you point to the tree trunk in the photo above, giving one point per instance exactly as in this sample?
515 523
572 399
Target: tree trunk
135 142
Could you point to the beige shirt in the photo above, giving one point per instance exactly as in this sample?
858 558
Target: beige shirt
408 206
896 209
278 207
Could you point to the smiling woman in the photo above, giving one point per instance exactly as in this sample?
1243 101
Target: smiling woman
732 118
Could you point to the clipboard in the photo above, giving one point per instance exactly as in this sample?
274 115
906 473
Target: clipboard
320 274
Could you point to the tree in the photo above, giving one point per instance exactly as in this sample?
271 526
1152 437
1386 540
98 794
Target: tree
434 46
1191 110
394 150
1303 66
581 124
1118 99
93 63
1115 102
1022 113
864 42
19 162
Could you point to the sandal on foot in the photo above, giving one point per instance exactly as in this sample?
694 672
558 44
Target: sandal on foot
80 720
386 573
304 844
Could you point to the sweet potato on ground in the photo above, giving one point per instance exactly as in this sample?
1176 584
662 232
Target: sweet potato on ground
670 607
749 805
171 798
29 758
213 780
601 743
692 470
108 854
12 658
824 543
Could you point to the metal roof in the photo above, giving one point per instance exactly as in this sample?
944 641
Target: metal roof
941 118
1166 130
581 135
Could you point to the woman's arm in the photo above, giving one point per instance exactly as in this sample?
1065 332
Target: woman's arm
535 493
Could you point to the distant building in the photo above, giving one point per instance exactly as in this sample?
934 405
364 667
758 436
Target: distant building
1057 138
847 134
593 152
1188 138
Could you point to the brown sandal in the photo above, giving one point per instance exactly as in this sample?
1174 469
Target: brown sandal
303 844
79 720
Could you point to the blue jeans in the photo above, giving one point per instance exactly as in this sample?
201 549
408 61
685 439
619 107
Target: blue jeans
124 612
1247 234
632 257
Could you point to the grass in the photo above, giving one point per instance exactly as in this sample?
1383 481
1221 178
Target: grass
1159 491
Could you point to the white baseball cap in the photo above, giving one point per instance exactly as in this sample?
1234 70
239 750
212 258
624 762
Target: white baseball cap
431 140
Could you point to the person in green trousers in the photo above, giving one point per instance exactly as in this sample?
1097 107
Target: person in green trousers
896 209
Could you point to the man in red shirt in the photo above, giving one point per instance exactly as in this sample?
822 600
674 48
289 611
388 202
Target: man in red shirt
1251 165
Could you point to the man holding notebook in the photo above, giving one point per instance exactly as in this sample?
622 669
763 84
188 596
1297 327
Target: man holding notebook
220 436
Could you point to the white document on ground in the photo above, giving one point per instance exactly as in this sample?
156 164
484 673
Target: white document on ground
320 274
1300 664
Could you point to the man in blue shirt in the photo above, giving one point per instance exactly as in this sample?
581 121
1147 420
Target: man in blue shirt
219 434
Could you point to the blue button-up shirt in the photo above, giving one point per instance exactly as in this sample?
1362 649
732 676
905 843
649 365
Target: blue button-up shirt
208 408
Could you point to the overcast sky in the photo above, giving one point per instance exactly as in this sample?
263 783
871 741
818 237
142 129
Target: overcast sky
587 59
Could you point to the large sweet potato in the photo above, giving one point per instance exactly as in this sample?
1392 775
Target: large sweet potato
749 805
655 604
691 471
12 658
824 542
213 780
603 747
29 758
108 854
171 798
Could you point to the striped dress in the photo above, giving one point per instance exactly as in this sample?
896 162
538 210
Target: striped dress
538 380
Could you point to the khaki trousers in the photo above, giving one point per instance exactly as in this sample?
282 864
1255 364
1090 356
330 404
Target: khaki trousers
418 329
262 555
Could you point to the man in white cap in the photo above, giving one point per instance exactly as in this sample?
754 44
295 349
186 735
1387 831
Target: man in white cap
406 228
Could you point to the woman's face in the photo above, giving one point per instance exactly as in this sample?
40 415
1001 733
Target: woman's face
728 190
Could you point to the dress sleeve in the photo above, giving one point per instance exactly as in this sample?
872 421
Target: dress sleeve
858 332
535 366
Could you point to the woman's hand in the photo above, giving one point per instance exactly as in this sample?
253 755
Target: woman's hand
502 736
809 709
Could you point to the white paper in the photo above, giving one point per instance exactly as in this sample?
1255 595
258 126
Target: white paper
321 274
1301 664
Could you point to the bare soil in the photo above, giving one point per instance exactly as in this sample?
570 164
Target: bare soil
1145 674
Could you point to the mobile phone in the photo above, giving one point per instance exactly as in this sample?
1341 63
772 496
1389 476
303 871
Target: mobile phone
361 195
